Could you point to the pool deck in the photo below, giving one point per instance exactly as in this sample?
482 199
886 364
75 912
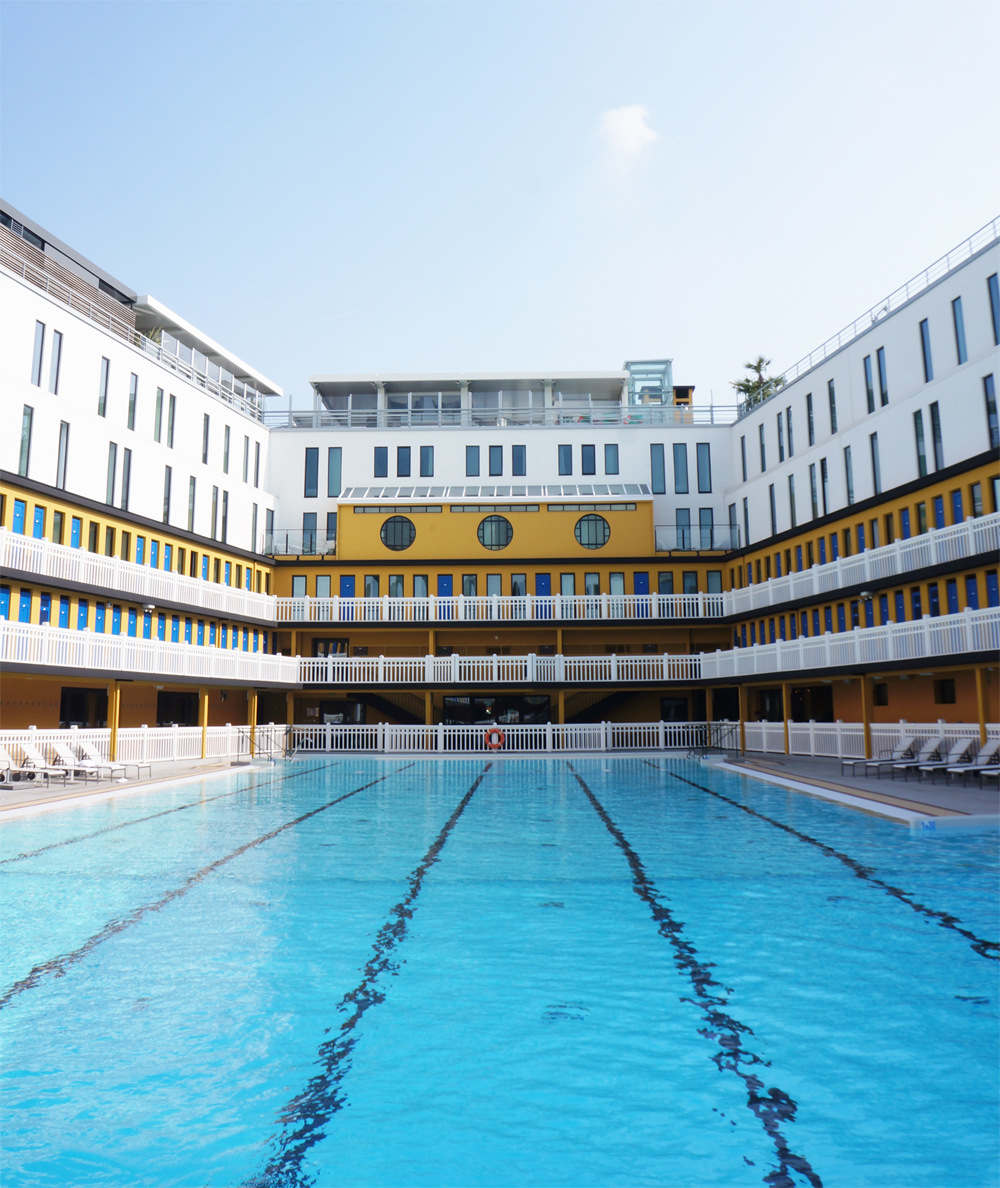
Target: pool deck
819 777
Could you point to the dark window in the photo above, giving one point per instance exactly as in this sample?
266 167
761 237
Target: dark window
869 384
54 362
657 470
833 406
426 461
36 358
959 323
957 508
24 456
936 435
876 464
133 388
593 532
774 511
398 533
990 393
102 391
311 489
588 459
334 471
308 532
883 381
991 284
944 691
402 461
916 608
743 456
918 430
763 452
566 459
518 461
472 460
126 477
809 419
951 595
704 452
205 422
925 346
849 474
791 441
781 437
495 532
496 460
109 495
610 459
381 462
681 485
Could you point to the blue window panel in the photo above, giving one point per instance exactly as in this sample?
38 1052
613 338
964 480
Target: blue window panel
916 606
82 614
828 619
381 462
777 565
972 591
255 636
861 538
822 550
247 575
116 620
834 546
147 625
883 609
957 509
994 289
869 613
959 321
904 523
187 631
236 638
168 557
24 607
224 636
63 611
133 622
161 626
900 607
201 633
798 558
44 608
992 589
938 511
38 524
951 595
4 602
211 635
100 612
933 601
472 461
770 630
445 585
804 624
566 459
20 510
140 551
229 573
841 617
246 640
175 629
815 622
75 528
519 461
154 554
263 642
204 567
743 636
753 634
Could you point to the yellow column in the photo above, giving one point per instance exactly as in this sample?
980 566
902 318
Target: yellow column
428 708
203 720
786 708
562 707
743 717
981 704
295 643
559 641
866 713
290 708
252 719
114 706
431 643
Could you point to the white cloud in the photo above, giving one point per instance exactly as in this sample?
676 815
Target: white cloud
626 134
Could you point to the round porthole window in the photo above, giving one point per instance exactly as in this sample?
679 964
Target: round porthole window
593 532
398 533
495 532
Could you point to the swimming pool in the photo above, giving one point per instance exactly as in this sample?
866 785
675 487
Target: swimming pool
456 972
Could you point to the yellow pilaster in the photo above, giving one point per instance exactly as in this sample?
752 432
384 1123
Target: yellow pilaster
786 708
432 642
981 704
866 713
203 720
290 708
114 707
559 641
562 706
252 719
428 707
743 716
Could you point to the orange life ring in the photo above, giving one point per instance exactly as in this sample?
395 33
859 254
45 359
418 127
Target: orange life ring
495 738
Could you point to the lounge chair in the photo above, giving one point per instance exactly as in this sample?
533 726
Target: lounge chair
10 770
987 757
92 758
36 763
896 755
966 756
74 765
931 750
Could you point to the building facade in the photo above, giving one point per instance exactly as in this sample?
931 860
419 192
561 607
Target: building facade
511 548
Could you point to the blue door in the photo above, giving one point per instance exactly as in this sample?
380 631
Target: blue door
640 585
869 613
24 607
116 620
38 527
19 510
132 621
74 532
64 611
4 602
347 591
543 589
992 589
445 589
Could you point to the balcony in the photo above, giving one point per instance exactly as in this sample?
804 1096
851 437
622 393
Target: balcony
696 538
501 417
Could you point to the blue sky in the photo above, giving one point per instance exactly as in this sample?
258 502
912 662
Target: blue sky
419 187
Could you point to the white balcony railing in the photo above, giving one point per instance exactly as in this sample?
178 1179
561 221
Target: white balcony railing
609 412
925 639
125 579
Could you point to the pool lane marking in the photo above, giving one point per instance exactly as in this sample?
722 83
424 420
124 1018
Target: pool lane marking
312 1109
57 966
770 1108
985 948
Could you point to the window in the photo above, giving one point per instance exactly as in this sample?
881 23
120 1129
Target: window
381 469
109 496
567 584
706 526
849 474
933 601
657 470
991 284
791 498
610 458
860 531
689 582
883 382
763 454
24 456
204 437
976 499
944 691
225 450
781 437
918 431
298 585
813 492
398 533
109 542
704 453
566 459
774 510
494 584
191 497
959 323
810 420
683 527
876 467
496 460
133 389
167 476
593 532
426 462
495 533
743 456
256 463
158 416
371 585
788 421
916 607
311 483
171 409
331 526
925 346
681 486
936 435
833 406
126 546
518 461
58 520
308 532
54 362
746 522
990 394
665 583
246 459
402 461
421 585
36 358
588 459
472 461
869 384
126 477
921 518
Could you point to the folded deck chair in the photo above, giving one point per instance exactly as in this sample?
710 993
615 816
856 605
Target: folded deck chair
35 761
886 758
66 758
943 763
987 757
93 759
931 750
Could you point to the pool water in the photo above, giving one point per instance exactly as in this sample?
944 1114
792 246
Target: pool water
409 972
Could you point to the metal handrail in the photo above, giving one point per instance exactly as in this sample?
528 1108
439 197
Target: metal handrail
502 418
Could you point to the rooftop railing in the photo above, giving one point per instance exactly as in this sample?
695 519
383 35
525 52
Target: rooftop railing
514 418
695 538
923 280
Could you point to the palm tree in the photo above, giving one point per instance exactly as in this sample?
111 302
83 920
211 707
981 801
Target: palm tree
757 386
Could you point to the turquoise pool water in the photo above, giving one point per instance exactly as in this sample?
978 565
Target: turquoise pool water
367 972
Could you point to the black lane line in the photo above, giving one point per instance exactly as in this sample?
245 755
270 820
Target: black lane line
58 965
770 1108
985 948
311 1110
